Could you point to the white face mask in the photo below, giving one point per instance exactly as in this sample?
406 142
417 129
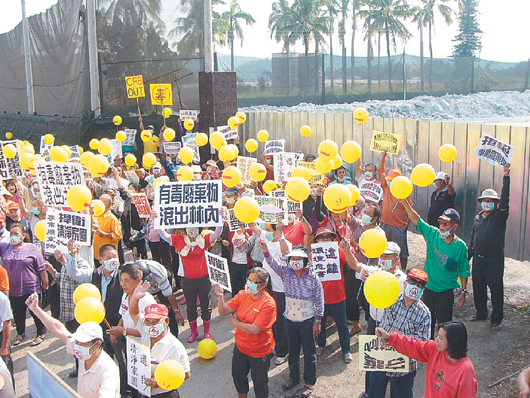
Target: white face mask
297 265
83 353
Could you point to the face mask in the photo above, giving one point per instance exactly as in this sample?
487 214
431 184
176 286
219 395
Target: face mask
251 287
366 219
369 175
413 292
297 265
2 230
112 264
192 232
386 264
314 192
445 235
487 206
269 236
434 185
15 240
155 330
82 353
230 200
291 218
36 211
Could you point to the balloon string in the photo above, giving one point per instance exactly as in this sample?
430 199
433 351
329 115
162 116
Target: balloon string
362 282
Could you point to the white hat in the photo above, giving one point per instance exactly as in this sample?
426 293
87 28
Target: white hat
196 169
157 165
440 176
88 331
392 248
489 194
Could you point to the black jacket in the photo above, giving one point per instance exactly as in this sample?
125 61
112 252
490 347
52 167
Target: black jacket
112 301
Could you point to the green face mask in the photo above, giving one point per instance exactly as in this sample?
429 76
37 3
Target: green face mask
230 200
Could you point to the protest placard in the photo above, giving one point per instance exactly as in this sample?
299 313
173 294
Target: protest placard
135 86
371 190
142 204
292 207
43 145
284 164
63 226
10 166
189 140
188 204
218 271
273 146
55 179
233 222
494 151
272 209
43 382
326 261
138 366
376 355
381 142
130 137
188 114
132 177
172 148
314 176
244 164
161 94
75 153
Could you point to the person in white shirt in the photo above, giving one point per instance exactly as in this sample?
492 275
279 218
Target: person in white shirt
6 315
98 375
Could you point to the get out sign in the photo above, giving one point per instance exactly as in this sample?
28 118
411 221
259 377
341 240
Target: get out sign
135 86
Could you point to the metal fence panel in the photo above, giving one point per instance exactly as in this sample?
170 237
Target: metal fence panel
516 232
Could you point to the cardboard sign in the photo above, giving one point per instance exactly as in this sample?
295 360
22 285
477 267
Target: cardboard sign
233 222
391 143
284 164
218 271
10 166
55 179
273 146
44 146
161 94
326 261
188 204
63 226
172 148
244 164
135 86
314 176
272 210
132 177
130 137
189 140
371 190
494 151
228 132
142 204
138 366
75 152
188 114
376 355
292 207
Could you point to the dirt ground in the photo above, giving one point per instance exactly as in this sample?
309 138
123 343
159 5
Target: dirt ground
494 354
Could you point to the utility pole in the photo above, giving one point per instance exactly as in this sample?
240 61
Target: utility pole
27 61
208 39
93 64
404 74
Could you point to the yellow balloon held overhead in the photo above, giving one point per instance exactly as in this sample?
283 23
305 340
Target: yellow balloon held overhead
117 120
87 290
360 115
226 153
24 160
49 139
269 186
67 149
233 123
148 160
28 149
98 165
401 187
130 160
207 349
167 112
372 243
186 155
323 166
251 145
263 135
85 157
355 194
301 171
146 135
242 117
305 131
93 144
10 151
121 136
169 134
189 124
246 209
99 207
297 189
235 149
423 175
216 140
231 176
78 197
40 231
184 173
170 374
447 153
327 150
58 154
337 198
350 151
201 139
382 289
9 135
257 172
89 309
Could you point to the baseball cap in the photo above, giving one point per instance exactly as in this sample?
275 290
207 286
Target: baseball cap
450 215
488 194
196 169
298 251
392 248
157 165
418 274
13 206
232 191
88 331
155 311
324 231
393 173
440 176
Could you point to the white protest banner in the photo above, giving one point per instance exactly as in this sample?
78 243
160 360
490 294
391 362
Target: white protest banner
233 222
244 164
189 140
292 207
376 355
218 271
494 151
75 152
55 179
10 166
385 142
188 204
138 366
142 204
314 176
326 260
130 137
132 177
272 210
228 132
44 146
284 164
172 148
188 114
273 146
116 148
371 190
63 226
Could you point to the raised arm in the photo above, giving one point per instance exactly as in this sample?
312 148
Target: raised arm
411 213
350 258
505 192
224 309
53 325
308 230
358 169
139 293
381 169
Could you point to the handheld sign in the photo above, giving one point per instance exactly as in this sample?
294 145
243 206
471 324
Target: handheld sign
382 142
161 94
494 151
376 355
135 86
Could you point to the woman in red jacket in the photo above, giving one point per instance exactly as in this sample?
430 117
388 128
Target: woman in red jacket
450 372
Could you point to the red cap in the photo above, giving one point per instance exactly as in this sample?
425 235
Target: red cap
13 206
156 311
393 173
418 274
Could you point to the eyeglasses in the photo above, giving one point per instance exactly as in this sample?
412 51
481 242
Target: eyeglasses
325 237
414 282
257 283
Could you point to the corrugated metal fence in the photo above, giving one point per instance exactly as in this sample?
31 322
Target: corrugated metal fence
420 144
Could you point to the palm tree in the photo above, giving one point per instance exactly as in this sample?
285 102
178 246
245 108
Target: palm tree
279 19
344 5
419 18
356 8
332 12
232 18
134 13
307 22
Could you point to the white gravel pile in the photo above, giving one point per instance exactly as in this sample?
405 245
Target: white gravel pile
496 106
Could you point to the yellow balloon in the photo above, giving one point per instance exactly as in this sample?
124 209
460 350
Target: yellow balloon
148 160
372 243
235 149
24 160
78 197
98 165
226 153
40 230
10 151
105 146
25 142
49 139
160 180
167 112
258 172
93 144
130 160
85 157
231 176
201 139
89 309
301 171
323 166
31 164
242 117
58 154
246 209
355 194
251 145
146 135
401 187
382 289
337 198
186 155
360 115
189 124
447 153
233 122
121 136
170 374
350 151
305 131
297 189
184 173
9 135
86 290
28 149
117 120
269 186
336 162
263 135
99 207
68 151
81 150
423 175
169 134
216 140
207 349
327 150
